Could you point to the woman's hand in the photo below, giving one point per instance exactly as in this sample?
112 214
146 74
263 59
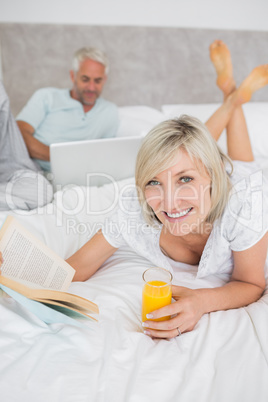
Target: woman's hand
187 310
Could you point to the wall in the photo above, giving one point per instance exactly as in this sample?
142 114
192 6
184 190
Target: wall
152 27
149 65
224 14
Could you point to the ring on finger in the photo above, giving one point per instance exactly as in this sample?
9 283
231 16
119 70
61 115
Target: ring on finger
179 331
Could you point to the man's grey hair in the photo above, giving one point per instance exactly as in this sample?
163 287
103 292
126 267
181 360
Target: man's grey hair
90 53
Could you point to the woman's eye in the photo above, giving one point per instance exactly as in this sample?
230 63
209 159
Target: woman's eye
153 183
186 179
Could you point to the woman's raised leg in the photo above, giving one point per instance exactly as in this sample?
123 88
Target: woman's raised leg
230 115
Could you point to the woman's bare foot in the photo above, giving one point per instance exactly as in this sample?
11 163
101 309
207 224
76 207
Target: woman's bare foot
221 59
257 79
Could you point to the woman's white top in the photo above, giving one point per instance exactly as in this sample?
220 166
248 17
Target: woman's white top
242 225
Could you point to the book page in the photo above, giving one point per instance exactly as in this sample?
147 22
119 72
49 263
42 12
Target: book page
29 261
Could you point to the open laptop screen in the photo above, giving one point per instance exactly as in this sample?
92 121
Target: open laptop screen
94 162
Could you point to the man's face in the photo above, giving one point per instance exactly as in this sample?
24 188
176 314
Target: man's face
88 82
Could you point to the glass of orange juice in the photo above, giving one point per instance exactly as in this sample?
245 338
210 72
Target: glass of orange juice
156 291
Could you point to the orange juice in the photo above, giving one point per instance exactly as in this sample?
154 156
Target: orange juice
156 294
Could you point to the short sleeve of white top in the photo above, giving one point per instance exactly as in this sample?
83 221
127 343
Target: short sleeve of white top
242 225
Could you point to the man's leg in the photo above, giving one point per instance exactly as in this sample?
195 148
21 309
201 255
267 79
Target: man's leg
13 152
25 190
21 180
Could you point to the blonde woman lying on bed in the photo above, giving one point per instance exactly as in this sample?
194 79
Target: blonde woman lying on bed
187 211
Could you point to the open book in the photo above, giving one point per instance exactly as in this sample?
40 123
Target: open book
33 272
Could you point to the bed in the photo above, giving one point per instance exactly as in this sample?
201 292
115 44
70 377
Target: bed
225 357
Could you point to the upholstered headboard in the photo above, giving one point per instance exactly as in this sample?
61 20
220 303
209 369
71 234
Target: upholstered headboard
149 66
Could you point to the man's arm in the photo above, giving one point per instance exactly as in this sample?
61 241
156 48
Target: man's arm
35 148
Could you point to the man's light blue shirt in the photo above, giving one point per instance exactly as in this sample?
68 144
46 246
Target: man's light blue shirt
56 117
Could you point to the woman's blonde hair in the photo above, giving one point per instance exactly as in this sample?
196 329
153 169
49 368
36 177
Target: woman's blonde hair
157 154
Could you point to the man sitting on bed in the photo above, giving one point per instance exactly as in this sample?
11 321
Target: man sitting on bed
58 115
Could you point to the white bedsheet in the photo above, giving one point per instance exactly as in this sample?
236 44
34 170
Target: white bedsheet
225 358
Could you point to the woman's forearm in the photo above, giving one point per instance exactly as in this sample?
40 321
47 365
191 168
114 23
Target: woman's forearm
234 294
88 259
191 304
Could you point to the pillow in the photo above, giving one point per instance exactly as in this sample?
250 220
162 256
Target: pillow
137 120
256 114
201 111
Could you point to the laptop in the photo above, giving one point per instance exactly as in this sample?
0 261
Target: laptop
94 162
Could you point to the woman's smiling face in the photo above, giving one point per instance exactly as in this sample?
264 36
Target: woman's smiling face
180 195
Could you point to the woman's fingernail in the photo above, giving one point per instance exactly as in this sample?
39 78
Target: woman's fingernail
149 316
147 333
144 324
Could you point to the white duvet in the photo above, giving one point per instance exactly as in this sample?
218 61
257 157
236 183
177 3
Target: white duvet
225 358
